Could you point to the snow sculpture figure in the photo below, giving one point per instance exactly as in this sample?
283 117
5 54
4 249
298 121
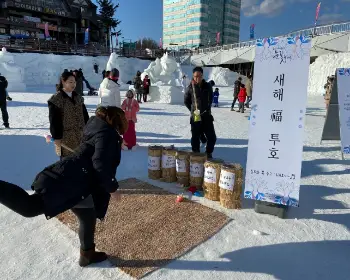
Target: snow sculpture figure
164 71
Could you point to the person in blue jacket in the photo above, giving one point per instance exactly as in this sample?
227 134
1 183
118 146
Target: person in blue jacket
216 97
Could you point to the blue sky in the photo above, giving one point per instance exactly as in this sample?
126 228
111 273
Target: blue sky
142 18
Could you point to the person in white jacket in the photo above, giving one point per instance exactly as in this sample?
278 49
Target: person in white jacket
109 92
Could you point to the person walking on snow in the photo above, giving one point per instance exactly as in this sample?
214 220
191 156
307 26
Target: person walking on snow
242 96
249 88
138 86
216 97
146 87
131 108
89 172
237 87
198 100
109 91
3 104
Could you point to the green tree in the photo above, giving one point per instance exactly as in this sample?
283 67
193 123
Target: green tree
147 43
107 12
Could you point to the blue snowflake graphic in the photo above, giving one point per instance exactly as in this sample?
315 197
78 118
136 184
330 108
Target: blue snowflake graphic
304 39
291 40
260 196
346 150
248 194
272 41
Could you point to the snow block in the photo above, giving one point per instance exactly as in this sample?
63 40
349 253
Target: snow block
166 94
263 207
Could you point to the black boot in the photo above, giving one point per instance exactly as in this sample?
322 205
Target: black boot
9 98
91 256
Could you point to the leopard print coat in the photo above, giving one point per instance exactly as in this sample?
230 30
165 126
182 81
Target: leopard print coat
72 118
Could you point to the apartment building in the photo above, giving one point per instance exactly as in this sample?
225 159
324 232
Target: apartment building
193 23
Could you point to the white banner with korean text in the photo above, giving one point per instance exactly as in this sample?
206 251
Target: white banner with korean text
275 146
343 81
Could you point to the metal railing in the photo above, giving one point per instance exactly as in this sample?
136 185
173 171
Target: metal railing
318 31
43 46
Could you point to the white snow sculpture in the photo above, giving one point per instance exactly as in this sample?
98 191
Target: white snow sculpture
13 72
165 75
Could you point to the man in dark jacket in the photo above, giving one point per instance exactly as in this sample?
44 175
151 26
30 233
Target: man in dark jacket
3 105
198 99
236 90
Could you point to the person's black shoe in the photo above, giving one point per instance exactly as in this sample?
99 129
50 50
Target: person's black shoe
209 156
6 125
9 98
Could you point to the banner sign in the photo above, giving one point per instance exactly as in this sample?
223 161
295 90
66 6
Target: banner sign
275 146
38 8
86 38
343 81
32 19
252 27
218 38
317 12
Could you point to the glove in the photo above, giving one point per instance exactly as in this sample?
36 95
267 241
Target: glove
58 148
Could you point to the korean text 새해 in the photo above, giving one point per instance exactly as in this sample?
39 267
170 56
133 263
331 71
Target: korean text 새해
278 93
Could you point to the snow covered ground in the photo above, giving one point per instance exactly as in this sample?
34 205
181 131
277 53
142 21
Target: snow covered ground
311 243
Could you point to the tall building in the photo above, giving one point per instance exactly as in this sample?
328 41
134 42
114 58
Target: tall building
193 23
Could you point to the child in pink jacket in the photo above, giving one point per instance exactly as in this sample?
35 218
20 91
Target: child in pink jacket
130 107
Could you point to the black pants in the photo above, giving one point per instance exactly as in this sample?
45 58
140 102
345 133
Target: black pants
241 107
249 98
138 96
206 128
5 115
145 97
234 101
19 201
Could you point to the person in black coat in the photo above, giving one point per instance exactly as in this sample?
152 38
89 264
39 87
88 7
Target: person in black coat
198 99
89 171
3 104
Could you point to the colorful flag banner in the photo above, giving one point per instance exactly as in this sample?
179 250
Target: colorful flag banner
218 38
252 27
160 43
317 12
86 39
47 33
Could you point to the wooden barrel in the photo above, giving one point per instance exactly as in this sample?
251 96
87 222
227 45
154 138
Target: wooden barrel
154 162
231 181
197 161
169 165
212 169
183 167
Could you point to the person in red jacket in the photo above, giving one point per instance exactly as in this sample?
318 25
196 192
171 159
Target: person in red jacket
242 96
146 85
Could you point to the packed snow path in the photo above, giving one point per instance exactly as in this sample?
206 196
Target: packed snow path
312 243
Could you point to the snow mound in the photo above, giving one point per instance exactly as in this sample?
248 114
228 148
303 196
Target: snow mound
42 71
223 77
324 66
12 71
